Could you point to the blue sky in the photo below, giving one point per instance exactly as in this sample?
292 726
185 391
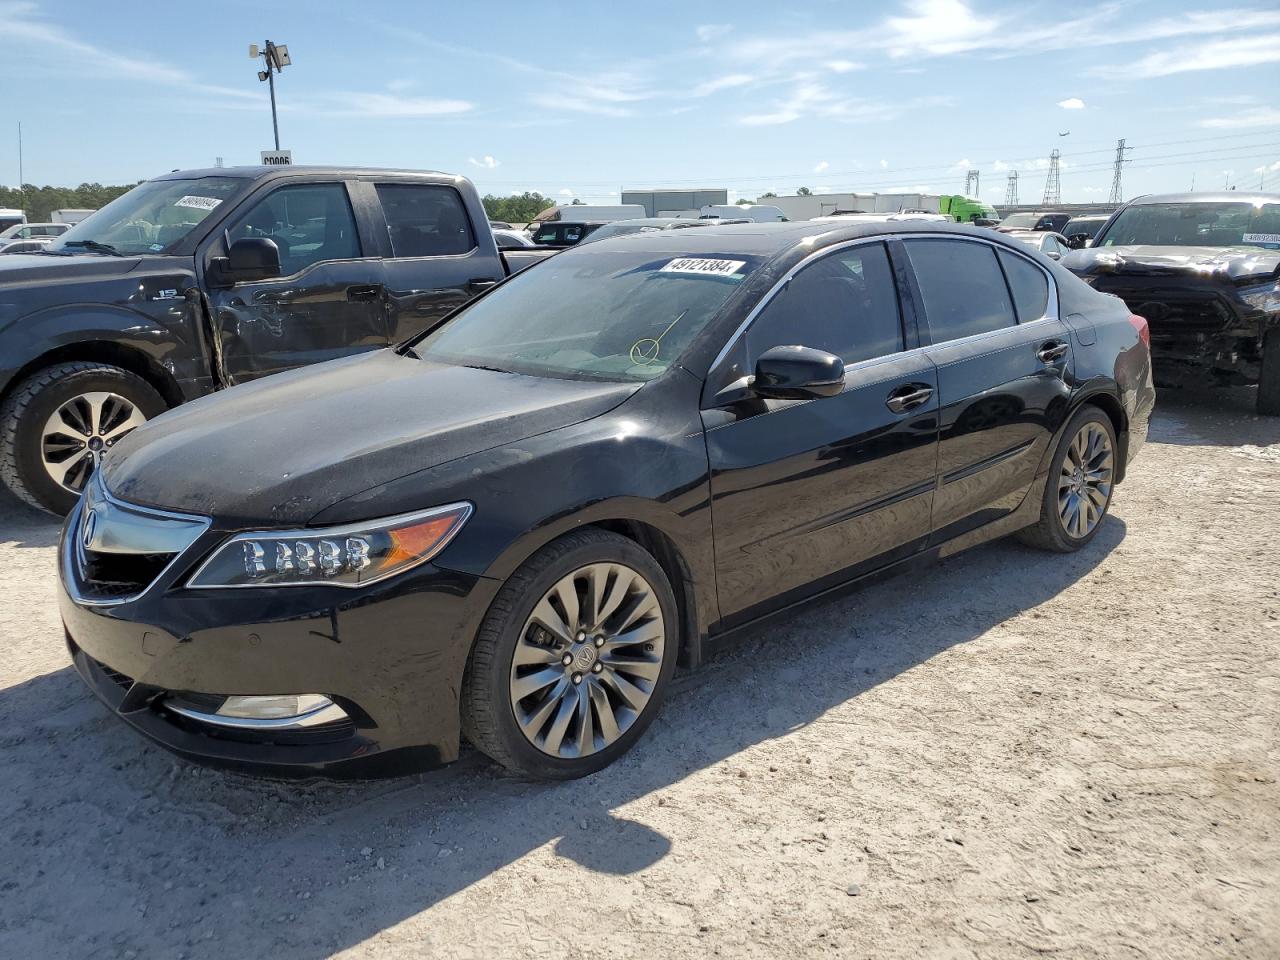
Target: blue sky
582 99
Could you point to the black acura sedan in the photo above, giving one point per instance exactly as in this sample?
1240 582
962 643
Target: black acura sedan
515 526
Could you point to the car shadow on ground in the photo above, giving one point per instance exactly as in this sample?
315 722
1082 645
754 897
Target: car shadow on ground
127 848
26 526
1205 416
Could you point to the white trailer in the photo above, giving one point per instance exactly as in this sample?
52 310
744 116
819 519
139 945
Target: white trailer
11 218
69 216
589 211
826 204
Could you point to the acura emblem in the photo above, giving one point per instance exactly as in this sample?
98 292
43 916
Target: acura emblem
90 525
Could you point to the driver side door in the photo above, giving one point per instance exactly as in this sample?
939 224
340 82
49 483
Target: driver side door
809 493
328 300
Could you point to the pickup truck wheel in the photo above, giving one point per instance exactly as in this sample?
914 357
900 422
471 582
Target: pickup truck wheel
58 423
1269 381
573 659
1081 481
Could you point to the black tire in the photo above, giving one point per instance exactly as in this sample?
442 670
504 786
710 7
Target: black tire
488 717
26 410
1269 380
1049 532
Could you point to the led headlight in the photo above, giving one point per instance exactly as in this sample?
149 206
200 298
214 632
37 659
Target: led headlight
348 556
1265 298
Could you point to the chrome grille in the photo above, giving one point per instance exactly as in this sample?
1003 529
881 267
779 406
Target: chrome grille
121 549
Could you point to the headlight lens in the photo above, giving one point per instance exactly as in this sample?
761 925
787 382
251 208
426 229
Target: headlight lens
1265 298
349 556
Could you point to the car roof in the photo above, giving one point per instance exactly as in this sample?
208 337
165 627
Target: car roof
771 239
1222 196
260 172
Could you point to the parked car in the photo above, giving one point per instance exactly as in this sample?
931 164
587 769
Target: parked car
1052 245
563 233
511 239
1080 230
1204 269
515 525
621 228
30 231
1034 221
34 245
500 225
144 305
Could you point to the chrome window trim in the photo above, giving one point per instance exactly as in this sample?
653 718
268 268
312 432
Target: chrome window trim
1052 308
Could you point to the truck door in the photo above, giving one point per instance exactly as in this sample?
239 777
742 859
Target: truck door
327 301
436 261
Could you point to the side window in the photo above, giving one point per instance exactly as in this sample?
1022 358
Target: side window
963 290
546 234
309 222
845 303
1029 285
425 220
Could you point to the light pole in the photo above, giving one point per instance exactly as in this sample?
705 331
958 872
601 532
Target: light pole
276 58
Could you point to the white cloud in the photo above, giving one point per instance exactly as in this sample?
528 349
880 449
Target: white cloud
557 101
400 85
726 82
809 97
1253 117
965 164
1268 168
1071 103
1000 166
842 66
712 31
822 165
566 192
1242 51
884 164
387 105
487 162
938 27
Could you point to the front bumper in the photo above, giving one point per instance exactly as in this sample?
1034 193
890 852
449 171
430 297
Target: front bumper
391 655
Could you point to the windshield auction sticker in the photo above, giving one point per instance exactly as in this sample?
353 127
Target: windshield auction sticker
1255 238
197 203
717 268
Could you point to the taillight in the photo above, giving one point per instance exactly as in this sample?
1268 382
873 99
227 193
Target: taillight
1144 331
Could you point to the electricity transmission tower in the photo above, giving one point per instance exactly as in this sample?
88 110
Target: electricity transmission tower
1053 182
1011 190
971 183
1117 192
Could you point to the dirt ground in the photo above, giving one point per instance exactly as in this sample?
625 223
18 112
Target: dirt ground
1016 754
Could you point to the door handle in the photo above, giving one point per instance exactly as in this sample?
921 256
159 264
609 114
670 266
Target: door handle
1052 350
481 283
908 397
364 292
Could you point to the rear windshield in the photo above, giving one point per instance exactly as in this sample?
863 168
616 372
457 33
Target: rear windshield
591 314
1229 224
1022 221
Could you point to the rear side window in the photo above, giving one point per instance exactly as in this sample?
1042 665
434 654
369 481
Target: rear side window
845 303
963 289
425 220
1029 285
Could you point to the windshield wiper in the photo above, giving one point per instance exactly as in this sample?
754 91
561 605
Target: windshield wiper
95 246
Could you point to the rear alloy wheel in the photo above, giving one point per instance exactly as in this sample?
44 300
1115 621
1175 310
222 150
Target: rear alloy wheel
1080 484
572 661
56 426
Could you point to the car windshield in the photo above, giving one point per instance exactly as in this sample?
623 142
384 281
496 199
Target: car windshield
591 314
1023 221
153 217
1228 224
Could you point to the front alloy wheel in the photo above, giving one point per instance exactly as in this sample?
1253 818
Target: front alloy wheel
587 660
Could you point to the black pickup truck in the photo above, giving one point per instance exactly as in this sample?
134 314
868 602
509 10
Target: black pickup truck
1204 269
202 279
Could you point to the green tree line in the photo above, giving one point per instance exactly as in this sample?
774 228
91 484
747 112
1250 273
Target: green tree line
39 202
517 208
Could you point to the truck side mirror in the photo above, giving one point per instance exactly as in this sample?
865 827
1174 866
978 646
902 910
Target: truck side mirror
249 259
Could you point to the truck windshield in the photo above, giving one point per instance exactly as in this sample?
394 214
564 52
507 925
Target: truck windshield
1020 221
1229 224
153 217
591 314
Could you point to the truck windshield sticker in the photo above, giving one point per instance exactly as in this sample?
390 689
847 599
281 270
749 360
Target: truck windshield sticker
719 268
197 203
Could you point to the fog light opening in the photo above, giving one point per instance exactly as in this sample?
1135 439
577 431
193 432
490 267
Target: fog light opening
287 707
294 711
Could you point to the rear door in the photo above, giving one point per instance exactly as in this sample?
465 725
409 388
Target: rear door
435 262
991 326
327 301
806 493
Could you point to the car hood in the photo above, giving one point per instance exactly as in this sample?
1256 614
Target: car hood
1235 264
279 450
32 268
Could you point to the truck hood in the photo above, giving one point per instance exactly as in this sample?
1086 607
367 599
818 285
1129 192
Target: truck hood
1232 264
279 450
33 268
